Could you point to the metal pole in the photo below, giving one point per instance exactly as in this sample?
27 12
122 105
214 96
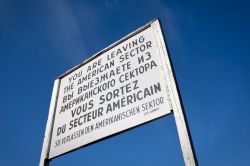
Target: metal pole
179 114
44 161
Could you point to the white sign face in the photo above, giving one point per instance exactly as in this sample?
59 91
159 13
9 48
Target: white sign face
122 88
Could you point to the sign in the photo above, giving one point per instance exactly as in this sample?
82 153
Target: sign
129 83
119 88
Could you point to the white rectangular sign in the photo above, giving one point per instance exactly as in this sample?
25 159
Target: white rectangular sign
121 87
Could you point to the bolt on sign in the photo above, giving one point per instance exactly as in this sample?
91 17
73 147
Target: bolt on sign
120 87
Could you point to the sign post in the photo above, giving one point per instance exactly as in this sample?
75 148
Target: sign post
48 131
127 84
178 110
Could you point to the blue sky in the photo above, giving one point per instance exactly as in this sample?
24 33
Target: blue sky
209 45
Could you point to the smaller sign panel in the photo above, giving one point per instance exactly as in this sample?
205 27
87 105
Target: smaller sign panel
120 88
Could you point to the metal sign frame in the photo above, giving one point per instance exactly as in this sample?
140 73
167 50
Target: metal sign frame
174 95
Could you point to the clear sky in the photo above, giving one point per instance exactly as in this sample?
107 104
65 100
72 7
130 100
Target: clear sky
209 43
